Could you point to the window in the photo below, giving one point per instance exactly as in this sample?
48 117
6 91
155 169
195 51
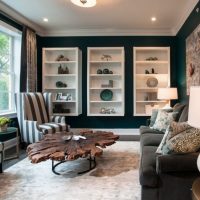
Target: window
10 52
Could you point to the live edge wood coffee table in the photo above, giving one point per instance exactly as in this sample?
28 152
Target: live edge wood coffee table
56 148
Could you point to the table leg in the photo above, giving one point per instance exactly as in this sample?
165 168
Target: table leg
92 165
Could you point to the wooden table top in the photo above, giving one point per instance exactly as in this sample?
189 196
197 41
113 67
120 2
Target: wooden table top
54 147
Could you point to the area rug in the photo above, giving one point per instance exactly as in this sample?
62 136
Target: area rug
114 178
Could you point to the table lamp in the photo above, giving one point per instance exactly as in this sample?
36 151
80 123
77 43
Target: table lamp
167 94
194 111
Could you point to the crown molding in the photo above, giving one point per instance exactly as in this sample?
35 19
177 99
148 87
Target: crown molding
108 32
100 32
188 10
20 19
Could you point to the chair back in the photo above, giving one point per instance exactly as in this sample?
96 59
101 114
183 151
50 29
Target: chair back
34 107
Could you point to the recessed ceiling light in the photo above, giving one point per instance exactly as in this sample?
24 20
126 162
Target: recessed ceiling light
45 19
153 19
84 3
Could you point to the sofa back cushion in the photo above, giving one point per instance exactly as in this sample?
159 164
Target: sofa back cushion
184 114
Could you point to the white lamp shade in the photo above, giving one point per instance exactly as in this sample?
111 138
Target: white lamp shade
167 93
194 107
84 3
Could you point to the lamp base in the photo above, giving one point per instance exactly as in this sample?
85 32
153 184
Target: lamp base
198 162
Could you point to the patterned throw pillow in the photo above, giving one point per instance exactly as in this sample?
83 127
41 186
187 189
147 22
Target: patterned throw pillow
163 120
163 142
155 114
187 141
177 127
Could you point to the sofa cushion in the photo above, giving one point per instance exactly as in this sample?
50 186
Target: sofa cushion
187 141
147 129
178 107
151 139
164 119
147 171
184 114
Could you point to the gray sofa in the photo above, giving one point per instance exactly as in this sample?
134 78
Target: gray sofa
165 177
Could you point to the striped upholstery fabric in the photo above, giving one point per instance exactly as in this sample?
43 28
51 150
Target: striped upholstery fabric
33 111
1 157
35 107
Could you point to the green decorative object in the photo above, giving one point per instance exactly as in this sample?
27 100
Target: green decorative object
106 95
4 123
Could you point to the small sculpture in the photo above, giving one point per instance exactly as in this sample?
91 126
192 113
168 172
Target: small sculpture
146 72
107 111
152 58
60 84
152 70
106 71
62 58
99 71
63 71
106 57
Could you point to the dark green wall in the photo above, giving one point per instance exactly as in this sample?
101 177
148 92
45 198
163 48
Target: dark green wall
190 24
128 121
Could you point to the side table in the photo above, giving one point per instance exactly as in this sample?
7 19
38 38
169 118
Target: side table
10 138
196 189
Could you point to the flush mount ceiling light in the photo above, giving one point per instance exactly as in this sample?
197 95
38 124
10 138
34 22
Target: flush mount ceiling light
153 19
45 19
84 3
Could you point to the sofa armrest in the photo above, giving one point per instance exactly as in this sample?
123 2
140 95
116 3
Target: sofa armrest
176 163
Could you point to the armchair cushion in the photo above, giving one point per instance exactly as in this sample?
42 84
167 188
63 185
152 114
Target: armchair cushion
52 127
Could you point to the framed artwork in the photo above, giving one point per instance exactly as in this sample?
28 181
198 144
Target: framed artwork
193 59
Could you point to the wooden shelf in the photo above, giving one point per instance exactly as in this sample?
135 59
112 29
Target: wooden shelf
152 62
161 67
59 62
116 65
73 79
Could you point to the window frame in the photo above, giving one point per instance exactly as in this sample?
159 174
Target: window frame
13 71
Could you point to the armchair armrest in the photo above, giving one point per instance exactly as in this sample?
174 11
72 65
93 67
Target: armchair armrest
57 119
176 163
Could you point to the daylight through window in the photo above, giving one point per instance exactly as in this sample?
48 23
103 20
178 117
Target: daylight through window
10 51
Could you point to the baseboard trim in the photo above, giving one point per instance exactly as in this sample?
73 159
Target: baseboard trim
124 134
132 131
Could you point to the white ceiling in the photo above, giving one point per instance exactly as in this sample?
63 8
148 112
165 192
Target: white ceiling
108 17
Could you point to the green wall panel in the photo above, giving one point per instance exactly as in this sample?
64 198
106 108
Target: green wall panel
128 121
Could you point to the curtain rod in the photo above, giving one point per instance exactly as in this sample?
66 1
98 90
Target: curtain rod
15 21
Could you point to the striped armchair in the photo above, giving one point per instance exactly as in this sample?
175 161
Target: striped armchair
35 117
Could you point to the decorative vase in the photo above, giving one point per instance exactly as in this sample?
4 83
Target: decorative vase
3 128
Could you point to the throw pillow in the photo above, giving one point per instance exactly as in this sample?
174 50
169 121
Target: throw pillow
187 141
163 142
155 114
163 120
177 127
178 107
153 117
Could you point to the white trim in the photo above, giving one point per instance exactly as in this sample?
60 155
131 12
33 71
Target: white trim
20 18
131 131
9 114
109 32
185 14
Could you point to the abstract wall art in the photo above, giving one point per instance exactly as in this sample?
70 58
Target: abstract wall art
193 59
